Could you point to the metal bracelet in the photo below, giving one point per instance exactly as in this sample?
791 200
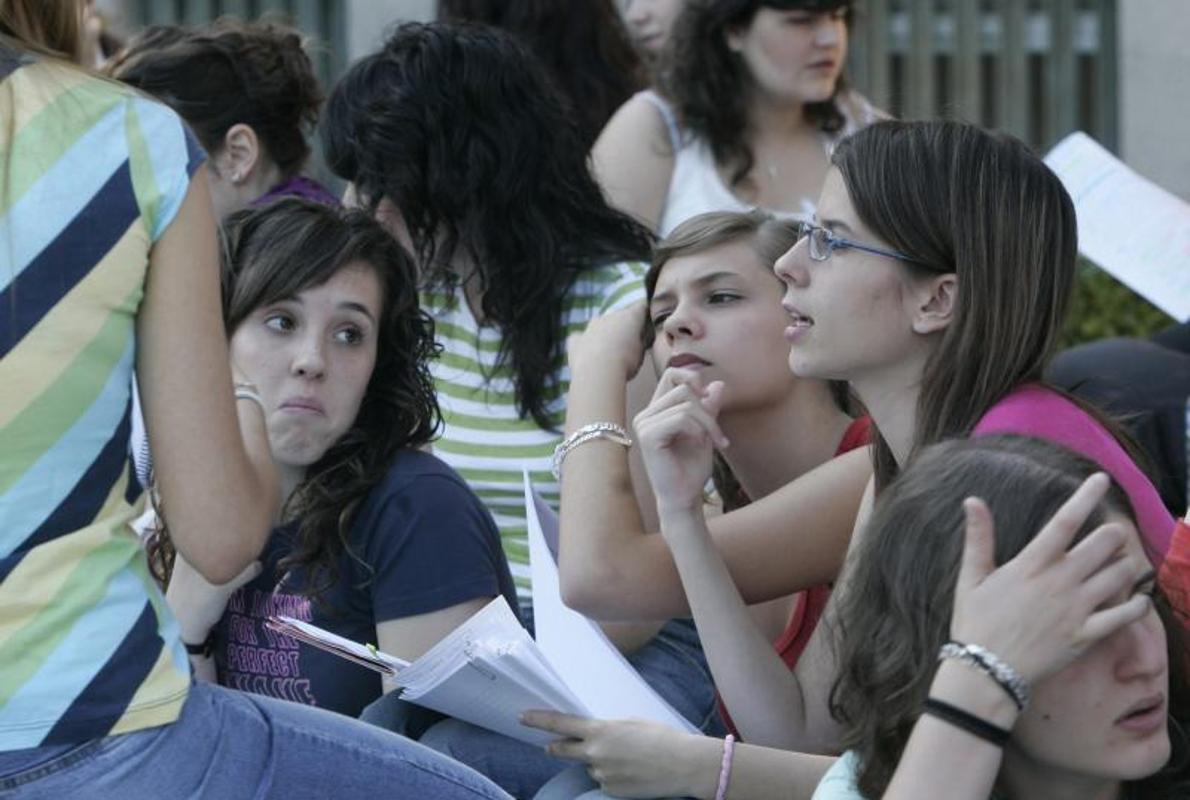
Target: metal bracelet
991 665
248 391
609 431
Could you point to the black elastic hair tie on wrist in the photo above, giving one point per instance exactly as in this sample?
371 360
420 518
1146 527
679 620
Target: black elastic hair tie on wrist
982 729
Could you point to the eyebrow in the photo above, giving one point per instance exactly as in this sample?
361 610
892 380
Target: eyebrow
835 224
349 305
699 282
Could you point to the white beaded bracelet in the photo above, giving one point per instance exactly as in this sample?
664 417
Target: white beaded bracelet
609 431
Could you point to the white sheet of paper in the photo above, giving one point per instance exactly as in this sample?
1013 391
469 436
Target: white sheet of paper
1129 226
588 663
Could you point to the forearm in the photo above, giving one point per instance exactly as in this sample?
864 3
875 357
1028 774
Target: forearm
757 773
762 694
607 557
199 450
941 760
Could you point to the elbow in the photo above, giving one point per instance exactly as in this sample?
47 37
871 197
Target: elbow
592 595
220 568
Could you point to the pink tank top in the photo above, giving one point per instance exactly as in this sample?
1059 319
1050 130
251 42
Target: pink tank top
1033 410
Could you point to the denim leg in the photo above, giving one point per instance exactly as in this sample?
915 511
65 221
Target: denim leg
674 665
517 767
232 745
568 784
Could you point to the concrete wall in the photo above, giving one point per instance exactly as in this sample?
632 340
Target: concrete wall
369 20
1155 90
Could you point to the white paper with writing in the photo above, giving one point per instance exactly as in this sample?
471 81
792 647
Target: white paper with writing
1129 226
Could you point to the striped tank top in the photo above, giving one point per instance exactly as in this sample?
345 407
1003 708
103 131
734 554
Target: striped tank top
91 174
484 438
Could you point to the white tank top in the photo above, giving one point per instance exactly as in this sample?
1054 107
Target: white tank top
696 186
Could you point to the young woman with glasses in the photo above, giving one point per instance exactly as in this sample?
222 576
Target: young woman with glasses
935 282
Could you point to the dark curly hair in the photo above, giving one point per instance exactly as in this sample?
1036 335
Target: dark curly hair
228 73
583 43
707 83
460 128
894 614
279 250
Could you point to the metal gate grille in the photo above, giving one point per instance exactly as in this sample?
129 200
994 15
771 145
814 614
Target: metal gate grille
1036 68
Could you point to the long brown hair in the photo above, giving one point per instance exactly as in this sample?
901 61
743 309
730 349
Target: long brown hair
895 613
959 199
709 84
277 251
47 27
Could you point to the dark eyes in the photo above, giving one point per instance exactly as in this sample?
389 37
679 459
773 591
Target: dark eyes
284 323
713 299
350 335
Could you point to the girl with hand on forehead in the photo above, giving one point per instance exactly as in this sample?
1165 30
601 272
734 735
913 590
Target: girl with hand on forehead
1003 636
932 290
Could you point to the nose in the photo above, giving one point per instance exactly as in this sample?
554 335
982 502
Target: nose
828 31
792 267
1140 649
637 12
682 323
310 360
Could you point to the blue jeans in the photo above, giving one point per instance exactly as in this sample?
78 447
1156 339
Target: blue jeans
228 744
672 663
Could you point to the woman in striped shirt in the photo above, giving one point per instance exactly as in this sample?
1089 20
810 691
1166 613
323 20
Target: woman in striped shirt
454 137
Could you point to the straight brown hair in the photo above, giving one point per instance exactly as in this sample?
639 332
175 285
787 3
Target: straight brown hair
46 27
959 199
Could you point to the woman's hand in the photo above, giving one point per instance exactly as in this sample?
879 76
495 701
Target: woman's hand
678 432
633 758
199 604
613 339
1046 606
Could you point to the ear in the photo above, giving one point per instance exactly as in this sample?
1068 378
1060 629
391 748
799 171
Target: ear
936 299
241 152
733 37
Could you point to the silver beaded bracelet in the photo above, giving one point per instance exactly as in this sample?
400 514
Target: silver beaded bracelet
596 430
991 665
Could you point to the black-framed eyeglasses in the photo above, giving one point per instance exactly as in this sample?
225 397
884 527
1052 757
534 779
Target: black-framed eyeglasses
823 243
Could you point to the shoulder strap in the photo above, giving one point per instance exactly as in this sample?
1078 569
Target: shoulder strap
667 114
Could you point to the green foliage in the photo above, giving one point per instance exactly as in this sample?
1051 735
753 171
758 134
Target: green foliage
1103 307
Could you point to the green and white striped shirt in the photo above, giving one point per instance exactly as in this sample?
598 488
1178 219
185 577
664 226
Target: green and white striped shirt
485 439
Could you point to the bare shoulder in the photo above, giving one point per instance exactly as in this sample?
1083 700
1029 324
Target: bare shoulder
633 159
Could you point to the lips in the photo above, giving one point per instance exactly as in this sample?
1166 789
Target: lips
800 320
307 405
1145 716
687 360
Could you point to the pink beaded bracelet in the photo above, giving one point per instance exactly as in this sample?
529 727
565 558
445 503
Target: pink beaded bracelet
725 768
